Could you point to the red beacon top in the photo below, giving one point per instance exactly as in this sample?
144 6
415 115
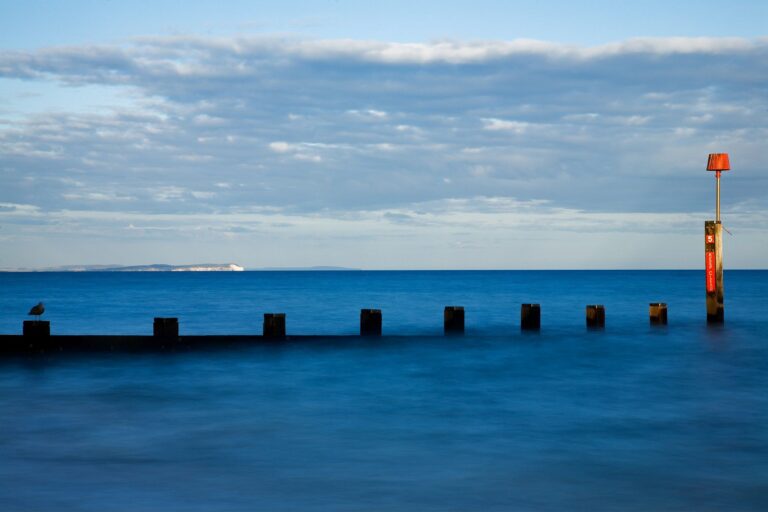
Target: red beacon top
718 162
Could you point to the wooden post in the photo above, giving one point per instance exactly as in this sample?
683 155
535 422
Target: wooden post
274 325
37 328
713 261
713 245
530 317
657 313
453 320
370 322
166 328
595 316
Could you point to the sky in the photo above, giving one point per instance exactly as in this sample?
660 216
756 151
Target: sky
413 135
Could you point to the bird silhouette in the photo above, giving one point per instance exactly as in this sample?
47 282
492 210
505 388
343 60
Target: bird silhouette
37 310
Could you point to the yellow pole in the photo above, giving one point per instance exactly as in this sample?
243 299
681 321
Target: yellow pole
717 197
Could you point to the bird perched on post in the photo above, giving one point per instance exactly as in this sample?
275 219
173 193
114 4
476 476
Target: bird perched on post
37 310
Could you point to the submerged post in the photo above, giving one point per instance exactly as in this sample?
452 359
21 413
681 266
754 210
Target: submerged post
166 328
713 246
595 316
37 328
530 317
657 313
274 325
453 320
370 322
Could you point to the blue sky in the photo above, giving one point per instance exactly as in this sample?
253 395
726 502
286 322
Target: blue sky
409 135
38 23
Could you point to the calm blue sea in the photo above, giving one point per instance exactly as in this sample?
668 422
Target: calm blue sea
631 418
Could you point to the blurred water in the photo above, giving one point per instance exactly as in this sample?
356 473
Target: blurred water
632 418
330 302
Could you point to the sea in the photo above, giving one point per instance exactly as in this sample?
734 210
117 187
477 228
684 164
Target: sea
633 417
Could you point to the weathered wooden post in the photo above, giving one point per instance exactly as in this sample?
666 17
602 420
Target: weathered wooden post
595 316
370 322
166 328
713 246
37 328
453 320
530 317
274 325
657 313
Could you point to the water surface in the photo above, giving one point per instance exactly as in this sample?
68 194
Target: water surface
632 418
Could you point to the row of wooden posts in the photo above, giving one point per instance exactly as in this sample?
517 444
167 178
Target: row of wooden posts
453 320
371 321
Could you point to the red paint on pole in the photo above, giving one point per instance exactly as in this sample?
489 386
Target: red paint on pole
711 280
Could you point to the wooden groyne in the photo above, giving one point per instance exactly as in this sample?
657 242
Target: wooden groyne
36 337
11 344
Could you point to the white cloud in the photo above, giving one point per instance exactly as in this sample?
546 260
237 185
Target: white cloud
517 127
308 158
303 151
97 196
169 193
456 52
281 147
705 118
582 118
369 113
19 210
194 158
206 120
634 120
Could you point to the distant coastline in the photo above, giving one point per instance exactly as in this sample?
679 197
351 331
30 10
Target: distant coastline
162 267
157 267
